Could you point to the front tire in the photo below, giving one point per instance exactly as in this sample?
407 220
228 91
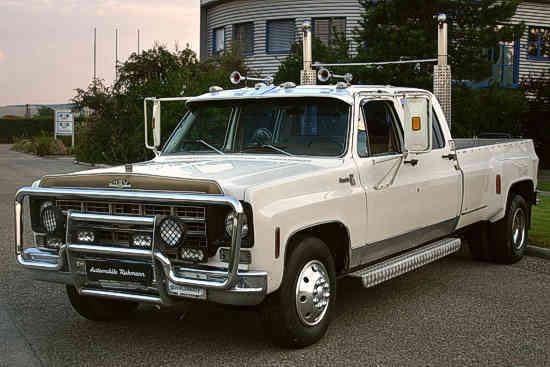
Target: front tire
298 314
100 309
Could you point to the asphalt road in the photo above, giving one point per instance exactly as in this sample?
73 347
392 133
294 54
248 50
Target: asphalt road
454 312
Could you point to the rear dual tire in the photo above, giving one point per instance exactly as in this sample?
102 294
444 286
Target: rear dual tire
504 241
299 313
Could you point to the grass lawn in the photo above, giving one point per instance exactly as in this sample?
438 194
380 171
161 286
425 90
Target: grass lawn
539 234
544 186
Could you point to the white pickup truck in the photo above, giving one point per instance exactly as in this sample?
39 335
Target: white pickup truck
267 195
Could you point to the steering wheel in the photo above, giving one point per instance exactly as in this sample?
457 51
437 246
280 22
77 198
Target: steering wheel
261 136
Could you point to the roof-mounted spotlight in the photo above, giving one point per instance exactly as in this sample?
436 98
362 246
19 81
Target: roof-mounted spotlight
237 78
324 75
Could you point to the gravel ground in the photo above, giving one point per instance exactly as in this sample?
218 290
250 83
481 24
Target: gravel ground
454 312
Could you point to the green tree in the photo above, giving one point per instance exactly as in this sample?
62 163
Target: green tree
406 29
289 70
114 132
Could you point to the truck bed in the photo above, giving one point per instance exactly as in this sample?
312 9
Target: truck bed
475 143
481 160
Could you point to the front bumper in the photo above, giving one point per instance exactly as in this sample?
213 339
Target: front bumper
227 286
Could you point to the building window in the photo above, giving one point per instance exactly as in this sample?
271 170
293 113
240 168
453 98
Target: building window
505 59
218 40
329 29
243 38
280 35
539 43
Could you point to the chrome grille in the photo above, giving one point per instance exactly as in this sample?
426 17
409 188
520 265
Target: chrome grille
193 216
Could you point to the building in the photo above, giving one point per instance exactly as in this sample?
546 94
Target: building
264 32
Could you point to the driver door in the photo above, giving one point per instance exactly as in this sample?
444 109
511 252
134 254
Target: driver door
397 184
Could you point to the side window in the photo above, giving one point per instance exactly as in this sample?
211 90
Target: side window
379 136
438 139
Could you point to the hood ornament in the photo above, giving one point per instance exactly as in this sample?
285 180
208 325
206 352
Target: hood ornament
120 183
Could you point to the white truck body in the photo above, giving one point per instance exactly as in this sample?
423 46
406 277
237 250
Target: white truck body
429 200
371 206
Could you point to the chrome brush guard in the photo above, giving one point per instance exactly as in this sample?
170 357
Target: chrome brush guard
213 280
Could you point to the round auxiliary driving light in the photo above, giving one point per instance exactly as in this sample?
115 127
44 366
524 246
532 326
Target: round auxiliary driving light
229 225
51 218
171 232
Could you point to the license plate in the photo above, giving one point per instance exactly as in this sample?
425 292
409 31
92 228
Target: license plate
186 291
134 272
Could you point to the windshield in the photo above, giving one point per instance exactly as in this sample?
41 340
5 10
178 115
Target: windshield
287 126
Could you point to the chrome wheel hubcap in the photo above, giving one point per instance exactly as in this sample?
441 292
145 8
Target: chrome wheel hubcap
518 228
312 293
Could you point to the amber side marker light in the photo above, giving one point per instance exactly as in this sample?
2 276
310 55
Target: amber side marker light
416 125
498 184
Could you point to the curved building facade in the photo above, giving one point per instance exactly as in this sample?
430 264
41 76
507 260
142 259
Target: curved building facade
263 31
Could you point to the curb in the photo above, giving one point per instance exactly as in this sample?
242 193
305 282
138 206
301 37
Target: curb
536 251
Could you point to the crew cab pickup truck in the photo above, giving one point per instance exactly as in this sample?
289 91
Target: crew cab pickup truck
265 196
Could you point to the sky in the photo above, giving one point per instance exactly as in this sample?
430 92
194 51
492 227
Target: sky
46 45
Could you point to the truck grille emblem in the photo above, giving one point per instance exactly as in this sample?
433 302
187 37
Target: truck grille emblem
120 183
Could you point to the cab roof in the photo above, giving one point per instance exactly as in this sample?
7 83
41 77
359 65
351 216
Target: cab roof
272 91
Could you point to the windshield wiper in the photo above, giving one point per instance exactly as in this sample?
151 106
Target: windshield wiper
269 146
200 141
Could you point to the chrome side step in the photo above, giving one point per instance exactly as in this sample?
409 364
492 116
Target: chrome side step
399 265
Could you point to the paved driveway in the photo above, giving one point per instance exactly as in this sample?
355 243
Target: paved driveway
453 312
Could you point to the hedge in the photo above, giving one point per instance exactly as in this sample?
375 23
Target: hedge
10 130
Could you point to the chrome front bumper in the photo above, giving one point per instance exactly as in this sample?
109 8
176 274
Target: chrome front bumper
229 286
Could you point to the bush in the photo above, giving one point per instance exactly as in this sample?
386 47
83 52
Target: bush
12 130
493 109
114 132
41 145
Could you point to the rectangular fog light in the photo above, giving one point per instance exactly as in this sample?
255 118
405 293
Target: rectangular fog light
85 236
143 241
192 254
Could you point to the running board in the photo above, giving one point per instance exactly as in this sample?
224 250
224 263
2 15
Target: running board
409 261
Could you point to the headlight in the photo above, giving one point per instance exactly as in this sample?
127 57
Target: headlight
171 232
51 218
229 225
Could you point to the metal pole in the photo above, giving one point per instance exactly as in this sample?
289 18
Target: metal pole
116 53
95 54
442 53
138 49
442 71
307 76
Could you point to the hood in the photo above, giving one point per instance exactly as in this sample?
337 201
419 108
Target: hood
230 175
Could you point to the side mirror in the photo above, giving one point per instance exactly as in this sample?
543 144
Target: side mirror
156 124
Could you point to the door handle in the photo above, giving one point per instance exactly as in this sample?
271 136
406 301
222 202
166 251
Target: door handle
450 156
349 179
412 162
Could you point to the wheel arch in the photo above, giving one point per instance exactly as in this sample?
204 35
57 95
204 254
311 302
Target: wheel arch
524 187
334 234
